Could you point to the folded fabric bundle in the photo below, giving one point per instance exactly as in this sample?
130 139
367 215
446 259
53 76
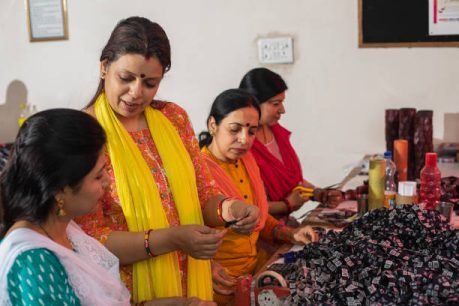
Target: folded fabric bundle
400 256
423 139
406 131
392 125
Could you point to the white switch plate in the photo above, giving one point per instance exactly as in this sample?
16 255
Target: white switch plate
277 50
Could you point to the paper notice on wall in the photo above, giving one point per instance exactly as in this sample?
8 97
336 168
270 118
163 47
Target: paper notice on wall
443 17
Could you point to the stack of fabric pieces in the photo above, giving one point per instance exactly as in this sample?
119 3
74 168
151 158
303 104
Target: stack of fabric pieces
401 256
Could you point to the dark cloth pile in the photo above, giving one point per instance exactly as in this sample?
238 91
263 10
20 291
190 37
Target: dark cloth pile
400 256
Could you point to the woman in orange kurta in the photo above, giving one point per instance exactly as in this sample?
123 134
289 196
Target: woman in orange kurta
232 124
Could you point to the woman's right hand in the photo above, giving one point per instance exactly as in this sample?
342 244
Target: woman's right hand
222 282
198 241
296 200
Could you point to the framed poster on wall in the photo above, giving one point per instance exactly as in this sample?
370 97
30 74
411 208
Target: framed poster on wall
405 23
443 17
47 20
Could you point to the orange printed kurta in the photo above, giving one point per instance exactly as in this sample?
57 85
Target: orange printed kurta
109 214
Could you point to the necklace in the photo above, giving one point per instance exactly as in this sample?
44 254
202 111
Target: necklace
46 232
72 247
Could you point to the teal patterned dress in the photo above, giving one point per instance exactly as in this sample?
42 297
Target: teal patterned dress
38 278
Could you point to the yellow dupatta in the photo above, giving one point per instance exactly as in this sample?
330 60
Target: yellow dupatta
141 203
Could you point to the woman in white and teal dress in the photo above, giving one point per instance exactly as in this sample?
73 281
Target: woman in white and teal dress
56 172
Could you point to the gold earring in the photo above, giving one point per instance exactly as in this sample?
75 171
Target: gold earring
60 208
211 133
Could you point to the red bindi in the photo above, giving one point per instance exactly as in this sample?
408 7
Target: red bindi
142 75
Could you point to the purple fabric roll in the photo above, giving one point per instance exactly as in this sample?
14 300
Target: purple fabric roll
406 131
392 120
423 138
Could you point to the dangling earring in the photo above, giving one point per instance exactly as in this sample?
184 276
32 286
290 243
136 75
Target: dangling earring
211 133
60 208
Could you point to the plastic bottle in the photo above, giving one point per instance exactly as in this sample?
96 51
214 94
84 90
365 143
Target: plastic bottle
376 183
23 114
33 110
430 182
390 188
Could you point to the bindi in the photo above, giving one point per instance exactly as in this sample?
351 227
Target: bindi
142 75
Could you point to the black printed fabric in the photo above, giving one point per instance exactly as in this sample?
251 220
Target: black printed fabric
401 256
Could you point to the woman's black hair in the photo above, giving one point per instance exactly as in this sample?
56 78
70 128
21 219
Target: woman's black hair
263 84
228 101
53 149
135 35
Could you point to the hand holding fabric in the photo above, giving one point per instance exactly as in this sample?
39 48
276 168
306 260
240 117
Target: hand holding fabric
222 282
198 241
302 235
333 198
329 197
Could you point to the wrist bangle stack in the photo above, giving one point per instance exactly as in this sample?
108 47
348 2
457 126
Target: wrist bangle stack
278 228
146 243
289 205
220 209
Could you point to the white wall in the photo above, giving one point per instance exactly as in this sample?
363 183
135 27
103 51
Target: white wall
338 92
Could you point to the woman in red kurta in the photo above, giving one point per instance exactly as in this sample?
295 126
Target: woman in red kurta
279 164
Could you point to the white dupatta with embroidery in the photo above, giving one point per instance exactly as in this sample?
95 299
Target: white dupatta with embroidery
92 270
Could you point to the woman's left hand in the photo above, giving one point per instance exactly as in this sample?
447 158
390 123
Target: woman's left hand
329 197
222 282
247 215
303 235
334 197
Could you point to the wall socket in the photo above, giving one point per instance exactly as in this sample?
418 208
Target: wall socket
277 50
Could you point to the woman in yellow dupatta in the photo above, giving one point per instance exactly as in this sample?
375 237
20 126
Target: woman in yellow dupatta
161 191
232 125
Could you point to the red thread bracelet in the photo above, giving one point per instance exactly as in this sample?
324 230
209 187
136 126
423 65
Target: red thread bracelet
289 205
220 209
278 229
146 243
